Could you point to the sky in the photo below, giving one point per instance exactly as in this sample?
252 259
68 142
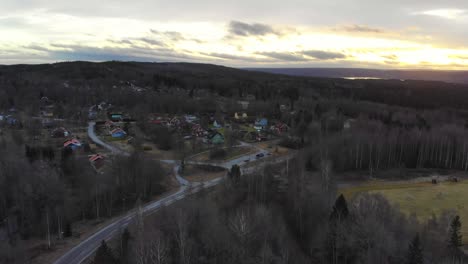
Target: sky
406 34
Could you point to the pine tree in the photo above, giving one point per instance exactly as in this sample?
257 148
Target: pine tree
415 255
340 209
104 255
235 173
455 239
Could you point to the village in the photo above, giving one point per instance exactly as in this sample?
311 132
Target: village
204 137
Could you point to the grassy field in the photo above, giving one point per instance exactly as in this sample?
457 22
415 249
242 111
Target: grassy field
423 199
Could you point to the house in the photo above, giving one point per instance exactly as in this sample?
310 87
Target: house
190 118
261 137
47 114
198 131
118 133
175 122
261 124
60 132
279 128
159 121
72 143
2 117
109 125
96 160
217 125
115 116
216 138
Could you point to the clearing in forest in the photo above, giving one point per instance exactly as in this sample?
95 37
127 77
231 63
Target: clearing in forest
423 199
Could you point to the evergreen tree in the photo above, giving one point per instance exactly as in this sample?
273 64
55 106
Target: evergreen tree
104 255
455 239
415 255
340 209
235 173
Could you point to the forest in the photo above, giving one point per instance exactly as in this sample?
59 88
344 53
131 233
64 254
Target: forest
367 127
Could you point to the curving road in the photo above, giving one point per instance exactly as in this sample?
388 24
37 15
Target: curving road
87 247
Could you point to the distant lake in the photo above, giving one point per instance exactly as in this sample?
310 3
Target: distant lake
361 78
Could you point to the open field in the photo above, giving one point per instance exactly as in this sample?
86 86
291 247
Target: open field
423 199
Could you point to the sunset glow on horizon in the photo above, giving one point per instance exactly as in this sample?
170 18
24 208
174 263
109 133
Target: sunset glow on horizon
418 35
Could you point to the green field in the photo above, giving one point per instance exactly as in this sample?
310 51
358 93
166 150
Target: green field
422 199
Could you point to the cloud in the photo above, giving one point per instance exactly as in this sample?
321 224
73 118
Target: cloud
361 28
284 56
238 28
121 41
58 51
152 42
447 13
324 55
226 56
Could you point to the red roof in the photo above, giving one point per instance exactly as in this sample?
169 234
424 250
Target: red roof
95 157
117 130
71 142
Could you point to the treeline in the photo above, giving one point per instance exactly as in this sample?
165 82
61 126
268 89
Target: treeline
372 145
257 219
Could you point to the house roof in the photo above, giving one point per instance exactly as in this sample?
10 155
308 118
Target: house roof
117 130
73 141
95 157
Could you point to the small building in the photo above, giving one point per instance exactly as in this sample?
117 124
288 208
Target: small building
216 138
261 124
96 160
109 125
279 128
48 114
198 131
217 125
72 143
115 117
60 132
118 133
190 118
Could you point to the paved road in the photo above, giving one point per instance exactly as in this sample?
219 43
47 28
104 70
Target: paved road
87 247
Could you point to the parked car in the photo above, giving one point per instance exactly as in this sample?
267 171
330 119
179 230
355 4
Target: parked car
260 155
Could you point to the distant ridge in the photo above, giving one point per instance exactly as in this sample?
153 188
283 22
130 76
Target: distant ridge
428 75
